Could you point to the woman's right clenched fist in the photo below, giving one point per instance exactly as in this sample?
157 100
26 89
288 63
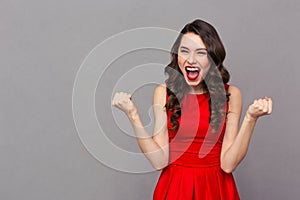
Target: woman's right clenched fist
123 101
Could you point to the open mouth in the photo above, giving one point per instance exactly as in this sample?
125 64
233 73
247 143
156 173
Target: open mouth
192 72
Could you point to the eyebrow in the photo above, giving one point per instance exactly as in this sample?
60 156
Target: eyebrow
183 47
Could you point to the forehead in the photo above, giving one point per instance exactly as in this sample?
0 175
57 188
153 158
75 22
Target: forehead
192 41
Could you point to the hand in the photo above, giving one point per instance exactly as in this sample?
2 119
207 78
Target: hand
259 108
123 101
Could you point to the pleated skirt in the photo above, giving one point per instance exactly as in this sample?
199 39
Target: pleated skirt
177 182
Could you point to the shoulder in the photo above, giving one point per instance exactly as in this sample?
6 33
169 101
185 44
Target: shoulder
235 98
234 90
161 89
160 94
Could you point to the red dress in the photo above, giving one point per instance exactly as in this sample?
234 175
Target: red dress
192 175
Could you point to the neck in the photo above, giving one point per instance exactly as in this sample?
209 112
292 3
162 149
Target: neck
199 89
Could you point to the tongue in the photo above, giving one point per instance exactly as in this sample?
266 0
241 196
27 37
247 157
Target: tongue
192 75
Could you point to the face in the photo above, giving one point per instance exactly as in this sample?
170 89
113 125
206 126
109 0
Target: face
193 59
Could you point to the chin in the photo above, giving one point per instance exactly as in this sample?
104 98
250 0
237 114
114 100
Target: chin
194 82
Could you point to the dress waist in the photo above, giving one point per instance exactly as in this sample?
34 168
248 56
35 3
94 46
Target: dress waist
193 156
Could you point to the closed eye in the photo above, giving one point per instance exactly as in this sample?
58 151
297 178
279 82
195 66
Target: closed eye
183 51
201 52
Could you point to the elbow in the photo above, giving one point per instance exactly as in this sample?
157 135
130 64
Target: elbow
161 165
229 165
227 168
158 168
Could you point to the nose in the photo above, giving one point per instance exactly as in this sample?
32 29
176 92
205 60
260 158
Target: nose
191 59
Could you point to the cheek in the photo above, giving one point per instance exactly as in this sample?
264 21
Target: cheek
205 64
180 61
206 68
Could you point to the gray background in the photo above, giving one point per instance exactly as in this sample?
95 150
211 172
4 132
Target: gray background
42 45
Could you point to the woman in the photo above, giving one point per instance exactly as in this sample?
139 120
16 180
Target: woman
197 141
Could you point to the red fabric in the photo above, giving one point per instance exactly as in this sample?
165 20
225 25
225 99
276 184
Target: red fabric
194 172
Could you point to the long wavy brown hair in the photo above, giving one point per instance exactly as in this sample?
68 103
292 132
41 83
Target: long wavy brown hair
213 82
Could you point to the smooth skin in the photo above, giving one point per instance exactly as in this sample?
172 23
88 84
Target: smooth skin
236 140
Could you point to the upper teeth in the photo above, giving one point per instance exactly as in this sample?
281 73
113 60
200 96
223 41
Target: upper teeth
192 69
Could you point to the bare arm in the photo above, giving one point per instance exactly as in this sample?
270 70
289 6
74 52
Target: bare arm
154 147
236 141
